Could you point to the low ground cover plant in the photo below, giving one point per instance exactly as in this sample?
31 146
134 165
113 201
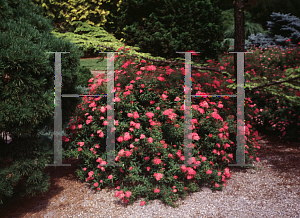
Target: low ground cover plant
149 130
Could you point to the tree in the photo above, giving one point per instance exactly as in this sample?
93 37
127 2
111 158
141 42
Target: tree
262 10
26 94
95 13
162 27
228 25
239 26
283 27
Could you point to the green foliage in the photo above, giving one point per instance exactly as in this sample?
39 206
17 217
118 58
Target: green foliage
228 24
264 8
92 12
26 86
84 75
228 28
89 38
150 142
279 101
164 27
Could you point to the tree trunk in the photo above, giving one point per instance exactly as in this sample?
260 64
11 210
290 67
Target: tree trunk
239 33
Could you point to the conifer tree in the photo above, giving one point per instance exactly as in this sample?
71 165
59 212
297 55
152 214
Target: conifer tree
162 27
26 95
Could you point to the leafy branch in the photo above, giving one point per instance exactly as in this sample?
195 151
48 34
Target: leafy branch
212 69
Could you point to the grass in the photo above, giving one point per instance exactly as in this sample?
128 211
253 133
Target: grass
93 65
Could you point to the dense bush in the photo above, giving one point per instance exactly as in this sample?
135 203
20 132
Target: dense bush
63 14
164 27
26 90
84 75
150 111
283 27
278 104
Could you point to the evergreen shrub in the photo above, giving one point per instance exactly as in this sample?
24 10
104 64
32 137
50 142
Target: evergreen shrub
84 75
283 31
163 28
26 95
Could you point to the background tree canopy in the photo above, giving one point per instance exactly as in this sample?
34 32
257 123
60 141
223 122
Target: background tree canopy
163 27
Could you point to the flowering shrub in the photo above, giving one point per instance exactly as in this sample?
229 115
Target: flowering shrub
149 130
276 113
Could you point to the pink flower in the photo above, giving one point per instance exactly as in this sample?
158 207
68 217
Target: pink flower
158 176
216 185
195 136
146 158
208 172
127 153
142 136
156 190
127 194
170 156
143 203
91 173
150 140
226 145
151 67
80 144
137 125
120 139
164 96
121 153
110 177
127 136
130 168
148 168
84 169
226 172
88 122
157 161
175 177
125 201
65 139
121 195
149 115
96 184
